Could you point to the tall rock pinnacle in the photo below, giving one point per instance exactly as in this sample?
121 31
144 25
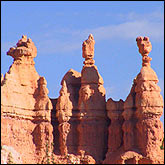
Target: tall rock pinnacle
93 124
149 106
142 129
25 105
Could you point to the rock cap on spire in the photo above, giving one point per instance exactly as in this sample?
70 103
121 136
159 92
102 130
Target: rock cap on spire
24 47
88 50
145 48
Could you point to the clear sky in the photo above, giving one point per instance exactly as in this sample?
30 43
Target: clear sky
58 29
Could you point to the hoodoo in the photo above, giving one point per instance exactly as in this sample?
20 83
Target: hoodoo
141 128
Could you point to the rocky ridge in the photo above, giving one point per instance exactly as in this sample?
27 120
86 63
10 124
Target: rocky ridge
83 129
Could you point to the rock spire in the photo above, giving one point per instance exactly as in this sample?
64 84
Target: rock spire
25 105
92 112
142 128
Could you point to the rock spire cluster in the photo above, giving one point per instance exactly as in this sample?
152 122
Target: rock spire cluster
85 128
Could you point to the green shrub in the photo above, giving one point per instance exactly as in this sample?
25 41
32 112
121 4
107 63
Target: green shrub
10 159
162 146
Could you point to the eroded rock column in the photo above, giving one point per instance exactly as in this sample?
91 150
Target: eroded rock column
92 107
149 104
64 112
67 112
142 128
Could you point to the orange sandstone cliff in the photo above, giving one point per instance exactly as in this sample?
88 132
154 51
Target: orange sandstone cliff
79 126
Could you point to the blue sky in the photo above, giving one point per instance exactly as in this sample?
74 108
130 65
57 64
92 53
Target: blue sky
58 29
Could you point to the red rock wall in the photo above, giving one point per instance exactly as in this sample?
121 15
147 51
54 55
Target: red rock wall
18 134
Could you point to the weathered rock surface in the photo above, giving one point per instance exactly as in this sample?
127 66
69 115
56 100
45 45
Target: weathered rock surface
93 122
79 126
142 128
149 107
115 136
17 133
67 112
23 82
25 105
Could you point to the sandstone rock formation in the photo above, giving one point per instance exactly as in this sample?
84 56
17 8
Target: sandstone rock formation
115 136
84 127
64 112
25 104
142 128
93 122
23 82
67 112
149 107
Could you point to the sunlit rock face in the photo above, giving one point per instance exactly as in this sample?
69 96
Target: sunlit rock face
149 106
24 92
67 112
142 128
92 106
85 128
25 105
